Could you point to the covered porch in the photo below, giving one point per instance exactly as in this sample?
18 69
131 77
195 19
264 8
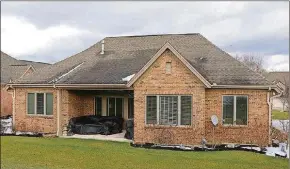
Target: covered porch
76 103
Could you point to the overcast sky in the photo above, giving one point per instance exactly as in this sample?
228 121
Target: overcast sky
51 31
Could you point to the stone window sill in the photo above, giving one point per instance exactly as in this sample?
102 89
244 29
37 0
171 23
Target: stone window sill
39 116
150 126
235 126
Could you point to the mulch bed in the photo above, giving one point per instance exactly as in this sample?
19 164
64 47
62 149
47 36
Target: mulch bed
221 147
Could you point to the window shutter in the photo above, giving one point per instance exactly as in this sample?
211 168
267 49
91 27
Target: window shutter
186 114
151 112
49 103
31 103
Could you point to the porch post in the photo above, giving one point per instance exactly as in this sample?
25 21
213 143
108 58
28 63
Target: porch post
13 109
59 130
104 106
125 113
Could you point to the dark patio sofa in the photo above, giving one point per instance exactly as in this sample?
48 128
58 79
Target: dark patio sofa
92 124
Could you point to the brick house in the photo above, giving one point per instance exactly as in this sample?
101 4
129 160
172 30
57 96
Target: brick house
281 79
12 69
170 84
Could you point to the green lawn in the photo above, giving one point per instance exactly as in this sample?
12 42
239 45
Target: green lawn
277 115
28 152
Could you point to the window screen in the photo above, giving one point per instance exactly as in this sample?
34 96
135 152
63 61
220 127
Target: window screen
49 104
151 112
235 110
31 103
228 109
168 109
241 110
40 103
186 114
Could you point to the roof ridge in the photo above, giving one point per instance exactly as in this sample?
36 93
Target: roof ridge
168 34
279 72
33 61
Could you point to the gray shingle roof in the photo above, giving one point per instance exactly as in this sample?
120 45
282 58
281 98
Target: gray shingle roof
276 77
13 69
126 55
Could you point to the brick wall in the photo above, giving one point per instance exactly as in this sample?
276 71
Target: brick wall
257 130
72 105
6 102
35 123
206 102
180 81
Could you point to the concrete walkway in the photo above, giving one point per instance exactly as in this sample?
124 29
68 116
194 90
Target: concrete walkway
114 137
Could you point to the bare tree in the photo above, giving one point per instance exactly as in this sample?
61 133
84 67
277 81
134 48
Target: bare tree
285 96
253 61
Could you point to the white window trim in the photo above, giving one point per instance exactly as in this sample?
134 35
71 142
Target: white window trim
108 102
35 104
179 111
234 113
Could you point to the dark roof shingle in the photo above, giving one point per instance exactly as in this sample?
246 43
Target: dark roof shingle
126 55
12 69
276 77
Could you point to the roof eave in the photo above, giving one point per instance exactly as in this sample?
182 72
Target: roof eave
74 86
261 87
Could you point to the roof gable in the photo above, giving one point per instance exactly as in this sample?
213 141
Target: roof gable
127 55
178 55
30 68
13 69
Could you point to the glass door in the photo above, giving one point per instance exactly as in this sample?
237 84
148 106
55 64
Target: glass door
115 106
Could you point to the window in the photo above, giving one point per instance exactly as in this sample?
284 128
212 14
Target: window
168 67
186 110
168 110
235 110
40 103
98 106
151 109
115 106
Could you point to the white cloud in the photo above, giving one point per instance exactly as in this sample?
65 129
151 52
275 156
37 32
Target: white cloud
19 37
223 23
278 63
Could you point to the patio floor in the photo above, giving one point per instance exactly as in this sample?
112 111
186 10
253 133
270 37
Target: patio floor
114 137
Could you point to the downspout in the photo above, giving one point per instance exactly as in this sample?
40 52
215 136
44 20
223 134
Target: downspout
58 122
13 109
269 101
